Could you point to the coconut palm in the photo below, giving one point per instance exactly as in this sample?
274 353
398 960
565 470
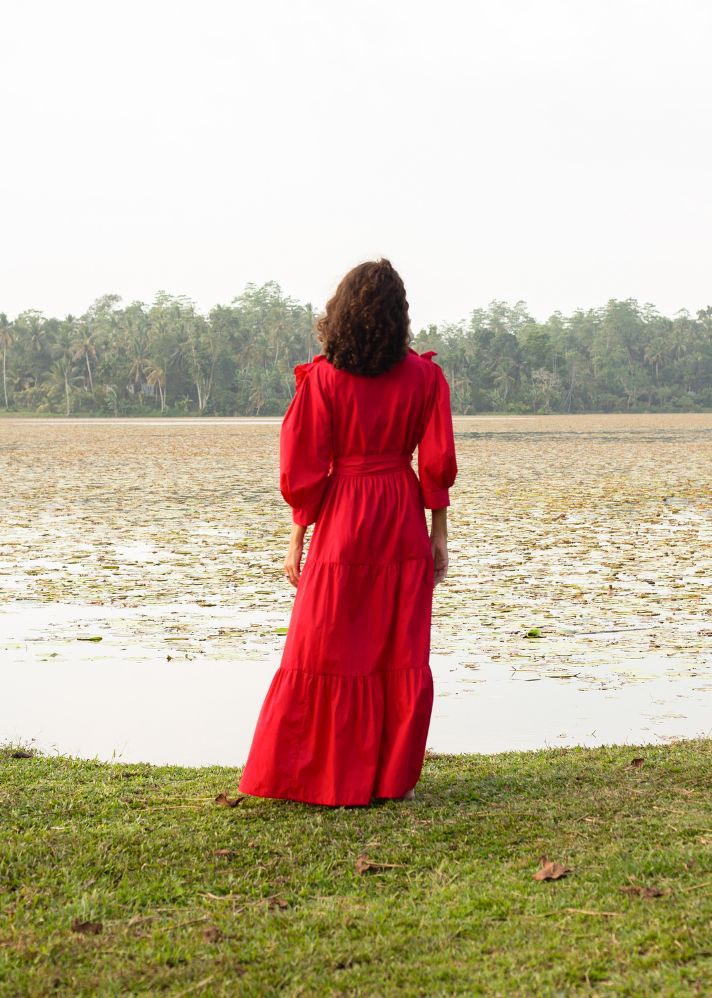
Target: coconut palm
259 393
84 348
655 353
62 376
137 371
157 377
6 340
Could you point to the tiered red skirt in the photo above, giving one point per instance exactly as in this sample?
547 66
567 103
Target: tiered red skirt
347 713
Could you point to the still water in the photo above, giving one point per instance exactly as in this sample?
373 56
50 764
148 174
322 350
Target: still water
164 540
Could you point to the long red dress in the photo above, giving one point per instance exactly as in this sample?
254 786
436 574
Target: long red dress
346 716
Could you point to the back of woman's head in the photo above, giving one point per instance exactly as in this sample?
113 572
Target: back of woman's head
366 327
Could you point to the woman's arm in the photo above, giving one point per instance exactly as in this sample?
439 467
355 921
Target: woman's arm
438 540
293 561
305 446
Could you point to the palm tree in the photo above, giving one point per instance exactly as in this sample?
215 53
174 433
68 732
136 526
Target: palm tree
62 372
6 340
259 393
61 376
33 325
504 380
680 334
137 371
84 349
157 376
655 352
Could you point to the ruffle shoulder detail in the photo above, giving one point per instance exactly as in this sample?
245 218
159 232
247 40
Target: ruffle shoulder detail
427 355
301 370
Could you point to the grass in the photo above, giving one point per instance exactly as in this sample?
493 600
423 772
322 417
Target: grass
283 909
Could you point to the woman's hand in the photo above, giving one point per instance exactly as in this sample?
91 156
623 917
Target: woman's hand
293 562
438 541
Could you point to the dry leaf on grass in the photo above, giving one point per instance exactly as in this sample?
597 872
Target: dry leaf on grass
224 801
551 870
637 890
364 864
275 902
86 928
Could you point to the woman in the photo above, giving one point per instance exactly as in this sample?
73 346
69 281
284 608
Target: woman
346 717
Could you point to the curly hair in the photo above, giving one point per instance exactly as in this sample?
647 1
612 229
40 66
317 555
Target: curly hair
366 327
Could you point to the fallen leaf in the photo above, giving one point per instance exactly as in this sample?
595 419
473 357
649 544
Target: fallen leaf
86 928
275 902
637 890
364 863
551 870
224 801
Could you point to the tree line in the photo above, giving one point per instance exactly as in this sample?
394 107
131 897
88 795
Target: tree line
167 358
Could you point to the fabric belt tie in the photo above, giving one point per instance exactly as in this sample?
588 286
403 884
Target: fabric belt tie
370 464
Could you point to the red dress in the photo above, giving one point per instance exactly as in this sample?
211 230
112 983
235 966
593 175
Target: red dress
346 716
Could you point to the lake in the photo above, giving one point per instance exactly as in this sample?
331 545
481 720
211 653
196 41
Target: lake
577 610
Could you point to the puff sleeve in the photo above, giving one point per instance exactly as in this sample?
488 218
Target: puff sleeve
437 462
305 446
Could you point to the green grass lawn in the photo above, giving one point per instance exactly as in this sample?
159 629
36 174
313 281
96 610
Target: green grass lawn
265 897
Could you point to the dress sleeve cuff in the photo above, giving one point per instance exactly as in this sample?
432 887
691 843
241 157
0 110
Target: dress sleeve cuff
436 499
303 517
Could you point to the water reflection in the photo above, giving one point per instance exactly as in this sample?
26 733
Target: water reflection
164 701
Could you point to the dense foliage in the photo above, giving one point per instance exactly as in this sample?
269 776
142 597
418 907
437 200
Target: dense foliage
169 359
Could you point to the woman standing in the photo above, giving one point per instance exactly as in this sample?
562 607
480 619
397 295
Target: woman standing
345 719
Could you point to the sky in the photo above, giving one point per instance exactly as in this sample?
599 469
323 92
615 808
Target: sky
554 152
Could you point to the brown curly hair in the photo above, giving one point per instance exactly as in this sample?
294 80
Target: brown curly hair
366 327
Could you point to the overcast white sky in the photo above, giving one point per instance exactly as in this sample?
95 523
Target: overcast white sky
557 152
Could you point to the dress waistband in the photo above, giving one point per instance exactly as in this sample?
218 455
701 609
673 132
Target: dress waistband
370 464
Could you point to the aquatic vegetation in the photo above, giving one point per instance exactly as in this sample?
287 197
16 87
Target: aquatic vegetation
580 547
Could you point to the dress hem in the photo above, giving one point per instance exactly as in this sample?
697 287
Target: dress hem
322 803
304 800
381 673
